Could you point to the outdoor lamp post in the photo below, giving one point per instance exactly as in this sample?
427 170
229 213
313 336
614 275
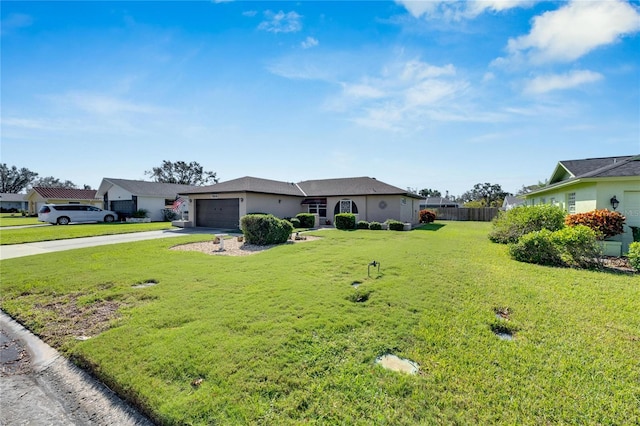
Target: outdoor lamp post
614 202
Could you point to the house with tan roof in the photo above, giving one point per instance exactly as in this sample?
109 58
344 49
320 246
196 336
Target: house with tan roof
223 204
37 196
579 186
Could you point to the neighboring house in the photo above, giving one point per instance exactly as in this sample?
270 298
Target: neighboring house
37 196
580 186
511 202
12 203
437 202
126 196
223 204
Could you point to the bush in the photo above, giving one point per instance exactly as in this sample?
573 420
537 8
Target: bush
635 231
604 222
395 225
572 246
510 225
140 214
536 247
262 229
577 246
363 224
295 222
307 220
427 216
375 226
168 215
345 221
634 255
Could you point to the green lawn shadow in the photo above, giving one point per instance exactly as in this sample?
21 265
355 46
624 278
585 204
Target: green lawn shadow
430 227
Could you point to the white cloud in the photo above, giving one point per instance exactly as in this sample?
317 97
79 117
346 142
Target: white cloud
574 30
548 83
309 42
281 22
455 10
15 21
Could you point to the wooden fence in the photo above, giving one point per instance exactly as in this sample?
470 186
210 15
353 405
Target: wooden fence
483 214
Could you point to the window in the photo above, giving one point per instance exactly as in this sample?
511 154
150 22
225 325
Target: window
571 202
345 206
319 209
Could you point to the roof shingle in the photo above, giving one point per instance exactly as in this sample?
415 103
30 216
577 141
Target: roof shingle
66 193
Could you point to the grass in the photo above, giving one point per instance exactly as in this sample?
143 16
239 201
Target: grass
279 337
55 232
16 219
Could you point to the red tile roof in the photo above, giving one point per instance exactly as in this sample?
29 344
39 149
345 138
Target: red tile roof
66 193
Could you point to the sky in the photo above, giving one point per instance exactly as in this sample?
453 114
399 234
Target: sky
422 94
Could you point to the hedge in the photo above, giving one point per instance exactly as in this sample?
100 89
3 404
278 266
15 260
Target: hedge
263 229
345 221
307 220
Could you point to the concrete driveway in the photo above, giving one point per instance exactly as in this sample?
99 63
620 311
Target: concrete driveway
29 249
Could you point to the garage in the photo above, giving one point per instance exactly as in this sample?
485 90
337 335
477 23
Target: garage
218 213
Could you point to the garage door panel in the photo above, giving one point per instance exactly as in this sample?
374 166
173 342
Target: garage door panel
218 213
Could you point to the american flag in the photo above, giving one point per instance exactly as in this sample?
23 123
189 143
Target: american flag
177 203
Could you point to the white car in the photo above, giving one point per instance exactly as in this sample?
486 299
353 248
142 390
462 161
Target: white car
63 214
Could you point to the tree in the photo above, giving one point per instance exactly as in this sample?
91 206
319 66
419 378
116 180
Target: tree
490 195
529 188
52 182
426 192
14 180
181 172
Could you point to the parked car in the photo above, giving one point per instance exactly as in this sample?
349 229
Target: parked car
62 214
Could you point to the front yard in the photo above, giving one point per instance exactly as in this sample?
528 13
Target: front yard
284 337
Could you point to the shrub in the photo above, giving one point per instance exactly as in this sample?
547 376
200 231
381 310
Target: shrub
635 231
577 246
295 222
427 216
536 247
375 226
510 225
307 220
345 221
262 229
634 255
140 214
363 224
395 225
168 215
604 222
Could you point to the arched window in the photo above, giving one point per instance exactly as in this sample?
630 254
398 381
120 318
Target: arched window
345 206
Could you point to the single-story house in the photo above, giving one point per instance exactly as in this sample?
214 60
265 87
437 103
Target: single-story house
12 203
126 196
223 204
580 186
437 202
37 196
510 202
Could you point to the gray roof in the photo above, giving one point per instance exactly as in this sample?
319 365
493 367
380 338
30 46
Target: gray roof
351 186
309 188
146 189
588 166
439 201
249 184
12 198
593 168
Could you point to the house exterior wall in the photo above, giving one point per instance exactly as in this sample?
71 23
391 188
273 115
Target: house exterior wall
278 205
154 207
117 193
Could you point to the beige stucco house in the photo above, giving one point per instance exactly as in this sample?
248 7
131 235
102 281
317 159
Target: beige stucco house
223 204
580 186
37 196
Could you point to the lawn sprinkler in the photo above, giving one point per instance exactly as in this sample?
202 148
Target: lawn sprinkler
374 264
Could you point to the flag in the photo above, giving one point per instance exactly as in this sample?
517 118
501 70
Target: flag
177 203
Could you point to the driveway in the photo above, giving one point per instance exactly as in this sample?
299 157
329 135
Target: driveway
29 249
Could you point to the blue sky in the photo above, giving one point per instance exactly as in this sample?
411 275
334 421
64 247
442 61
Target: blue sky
426 94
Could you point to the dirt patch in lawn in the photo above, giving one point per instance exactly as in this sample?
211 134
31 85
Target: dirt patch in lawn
64 318
233 247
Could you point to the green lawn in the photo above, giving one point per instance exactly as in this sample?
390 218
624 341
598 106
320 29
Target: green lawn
59 232
276 337
16 219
